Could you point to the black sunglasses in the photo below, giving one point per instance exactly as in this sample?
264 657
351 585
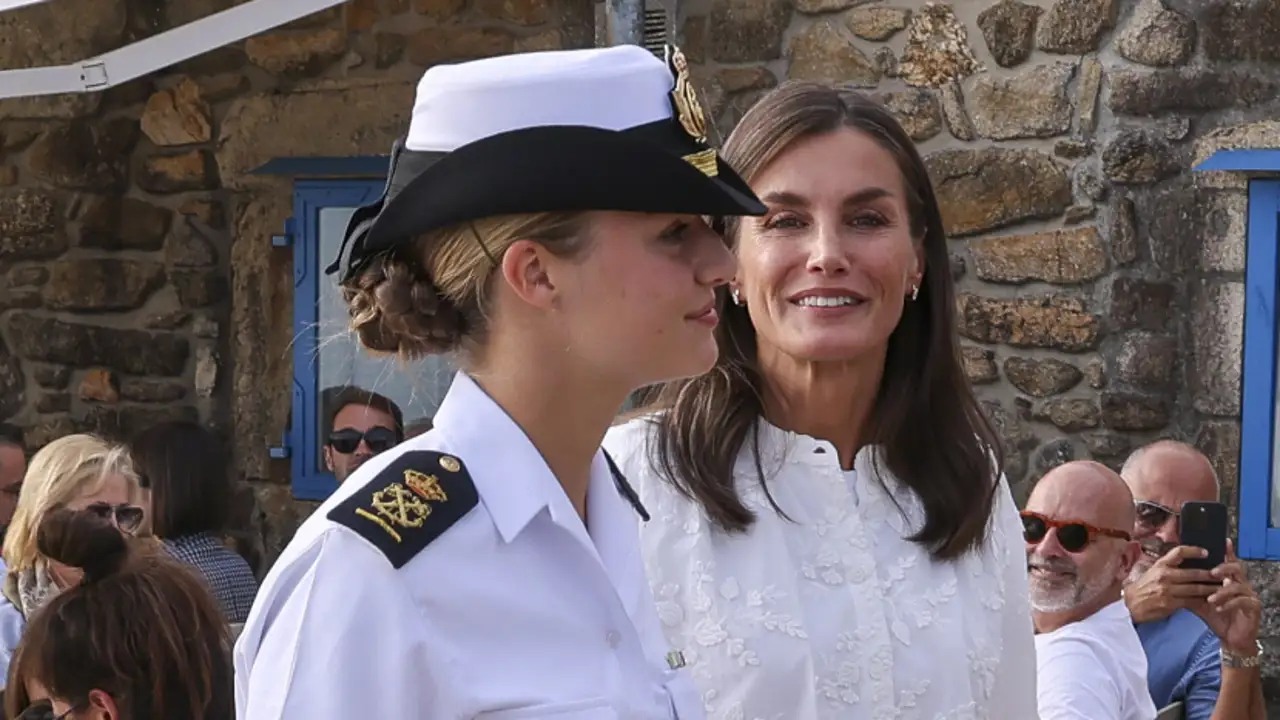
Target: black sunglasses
347 440
126 517
1153 515
1073 535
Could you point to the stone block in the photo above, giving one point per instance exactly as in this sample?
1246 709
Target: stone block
979 365
1217 313
436 45
1141 304
1064 257
261 127
937 49
151 391
101 284
1241 31
81 155
1106 445
917 110
1137 157
1069 414
112 222
52 377
1153 93
1075 27
78 344
877 23
1009 27
1052 322
1156 35
1016 437
177 115
1041 377
27 212
184 172
823 53
954 113
99 385
1146 361
980 190
296 53
200 287
1031 104
1123 231
517 12
1132 411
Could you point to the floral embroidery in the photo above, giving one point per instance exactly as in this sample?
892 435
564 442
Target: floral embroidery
830 613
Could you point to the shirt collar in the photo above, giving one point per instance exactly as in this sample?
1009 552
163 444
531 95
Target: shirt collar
511 476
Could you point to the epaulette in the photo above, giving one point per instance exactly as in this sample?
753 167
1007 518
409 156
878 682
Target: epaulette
411 502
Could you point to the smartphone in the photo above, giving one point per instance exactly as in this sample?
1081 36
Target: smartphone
1204 525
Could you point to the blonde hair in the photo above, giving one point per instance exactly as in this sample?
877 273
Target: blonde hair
63 470
431 296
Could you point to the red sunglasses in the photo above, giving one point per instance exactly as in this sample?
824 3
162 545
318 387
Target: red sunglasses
1073 535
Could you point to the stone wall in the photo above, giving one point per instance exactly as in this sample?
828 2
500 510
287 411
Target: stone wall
1101 281
138 277
1101 294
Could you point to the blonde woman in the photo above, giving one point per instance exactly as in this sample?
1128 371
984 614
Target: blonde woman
79 472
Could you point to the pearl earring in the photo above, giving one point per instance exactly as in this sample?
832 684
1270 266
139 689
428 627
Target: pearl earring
915 292
737 296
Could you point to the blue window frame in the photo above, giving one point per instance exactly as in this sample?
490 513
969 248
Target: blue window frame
1259 498
325 354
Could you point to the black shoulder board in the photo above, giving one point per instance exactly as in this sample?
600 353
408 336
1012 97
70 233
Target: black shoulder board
410 503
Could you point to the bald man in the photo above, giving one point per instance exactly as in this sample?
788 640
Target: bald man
1199 629
1089 662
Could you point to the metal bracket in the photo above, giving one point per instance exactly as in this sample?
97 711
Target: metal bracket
282 241
156 52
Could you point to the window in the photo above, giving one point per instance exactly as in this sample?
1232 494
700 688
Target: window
1259 499
326 355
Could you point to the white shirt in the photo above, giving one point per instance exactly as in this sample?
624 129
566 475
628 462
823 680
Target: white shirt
1094 669
515 611
833 614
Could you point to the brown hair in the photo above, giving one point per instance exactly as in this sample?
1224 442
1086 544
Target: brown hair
431 296
930 429
185 467
140 627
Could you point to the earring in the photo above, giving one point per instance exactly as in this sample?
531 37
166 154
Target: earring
915 292
736 294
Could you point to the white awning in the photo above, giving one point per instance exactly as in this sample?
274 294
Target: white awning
156 52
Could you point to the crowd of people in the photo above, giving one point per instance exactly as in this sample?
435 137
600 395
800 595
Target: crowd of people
824 528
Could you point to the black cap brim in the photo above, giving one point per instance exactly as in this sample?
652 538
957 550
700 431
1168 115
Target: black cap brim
546 169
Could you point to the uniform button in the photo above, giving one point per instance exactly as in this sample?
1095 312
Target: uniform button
613 638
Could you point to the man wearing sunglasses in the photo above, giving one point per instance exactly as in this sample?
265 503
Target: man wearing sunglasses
1199 628
1089 661
361 425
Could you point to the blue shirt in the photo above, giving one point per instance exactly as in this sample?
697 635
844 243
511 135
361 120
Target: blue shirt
1182 663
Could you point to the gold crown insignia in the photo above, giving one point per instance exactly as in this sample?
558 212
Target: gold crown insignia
689 113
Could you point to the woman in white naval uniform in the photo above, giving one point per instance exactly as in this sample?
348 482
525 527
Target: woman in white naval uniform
542 221
830 537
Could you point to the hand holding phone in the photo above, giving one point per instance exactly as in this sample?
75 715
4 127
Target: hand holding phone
1204 525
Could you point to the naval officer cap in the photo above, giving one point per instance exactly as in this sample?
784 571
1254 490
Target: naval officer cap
565 131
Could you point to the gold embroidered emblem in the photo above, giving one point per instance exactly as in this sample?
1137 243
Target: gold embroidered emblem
426 486
450 464
398 506
688 108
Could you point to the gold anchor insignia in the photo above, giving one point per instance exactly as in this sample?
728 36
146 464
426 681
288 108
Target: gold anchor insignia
399 506
689 112
427 486
688 108
450 464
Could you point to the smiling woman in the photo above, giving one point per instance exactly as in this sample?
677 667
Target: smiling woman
829 497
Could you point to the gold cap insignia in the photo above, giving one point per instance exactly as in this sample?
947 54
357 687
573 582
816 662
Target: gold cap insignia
689 113
450 464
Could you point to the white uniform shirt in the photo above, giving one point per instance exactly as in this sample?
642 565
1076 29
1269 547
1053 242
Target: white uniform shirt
516 611
833 614
1094 669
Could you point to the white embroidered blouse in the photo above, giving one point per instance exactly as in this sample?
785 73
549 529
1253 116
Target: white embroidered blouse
832 614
